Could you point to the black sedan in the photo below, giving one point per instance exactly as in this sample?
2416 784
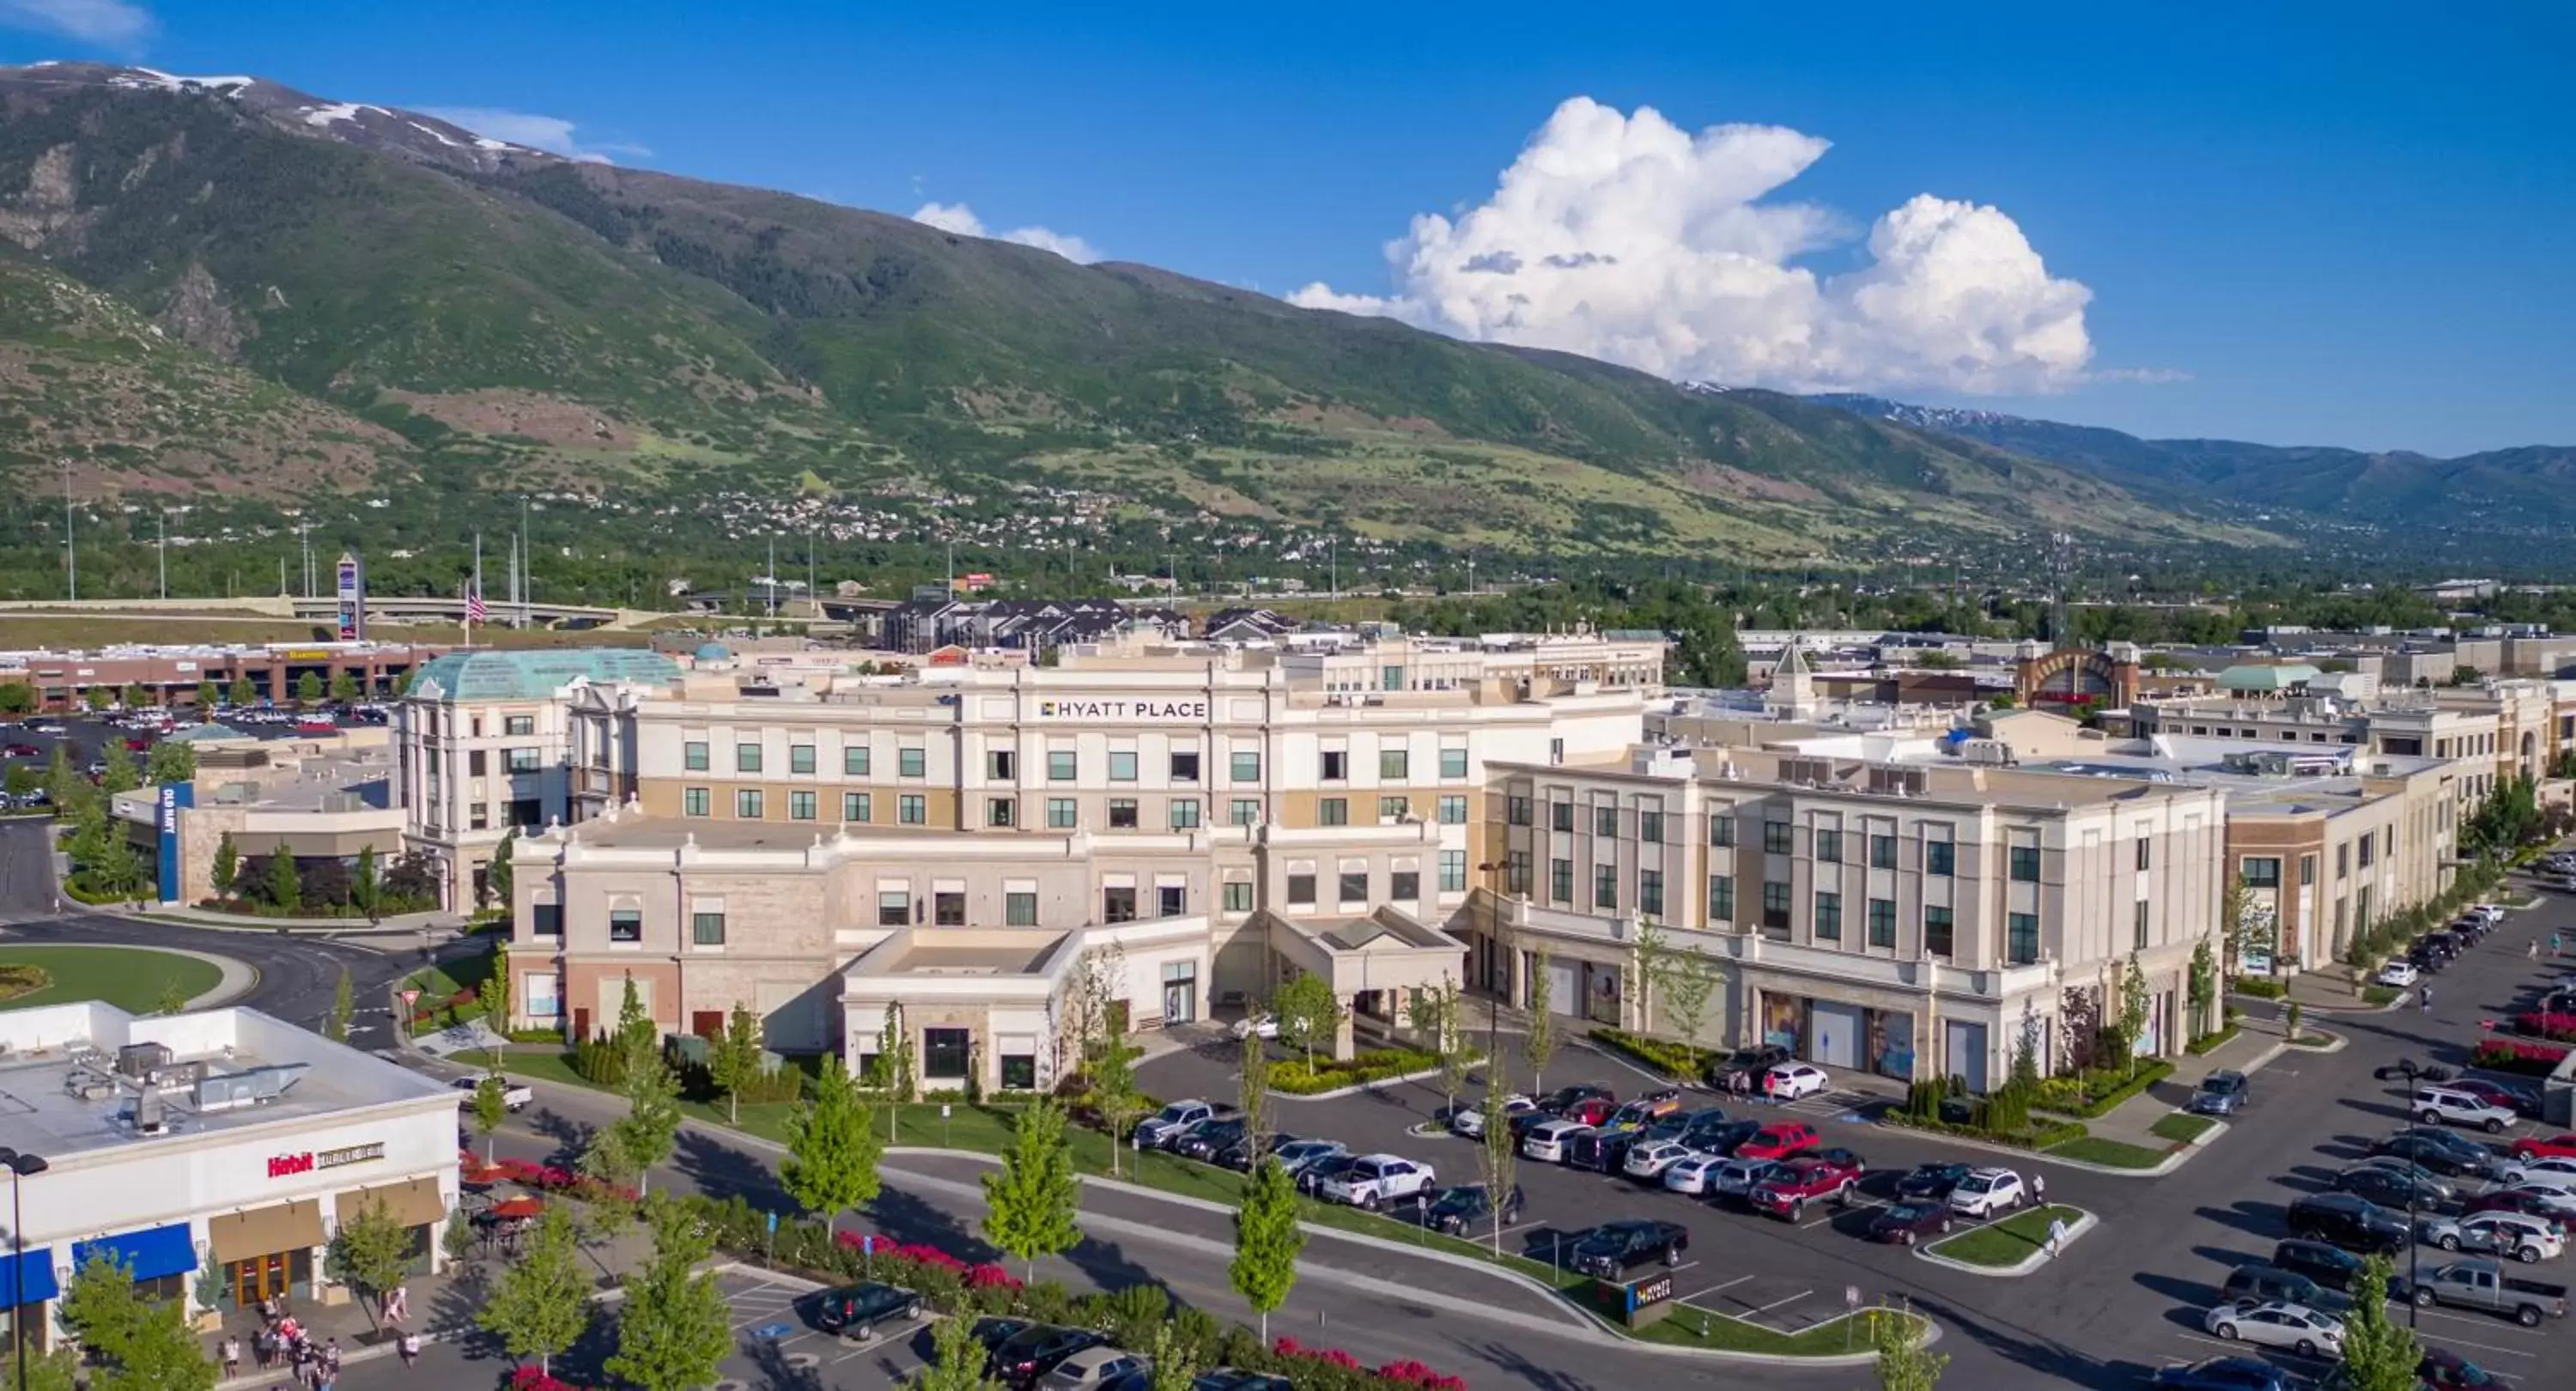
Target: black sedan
2330 1266
2224 1374
1466 1208
1311 1179
2440 1151
1907 1223
1033 1352
1245 1150
1614 1248
2394 1188
1558 1102
1205 1140
2410 1071
1933 1181
1749 1063
1723 1137
856 1311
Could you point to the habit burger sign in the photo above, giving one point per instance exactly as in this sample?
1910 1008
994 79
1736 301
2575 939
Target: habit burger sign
289 1165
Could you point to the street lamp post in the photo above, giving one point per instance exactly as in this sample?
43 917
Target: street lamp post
19 1166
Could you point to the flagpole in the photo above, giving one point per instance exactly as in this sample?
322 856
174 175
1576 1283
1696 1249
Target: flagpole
477 591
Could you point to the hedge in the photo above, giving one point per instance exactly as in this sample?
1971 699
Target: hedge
2260 988
2209 1041
2510 1055
2552 1025
1296 1078
2043 1137
1679 1060
2148 1076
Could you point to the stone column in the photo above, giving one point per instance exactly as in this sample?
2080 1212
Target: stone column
1343 1046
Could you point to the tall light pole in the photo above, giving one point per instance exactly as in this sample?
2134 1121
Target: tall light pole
163 527
71 543
19 1166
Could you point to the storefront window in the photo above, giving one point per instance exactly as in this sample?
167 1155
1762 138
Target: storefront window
943 1054
1020 1071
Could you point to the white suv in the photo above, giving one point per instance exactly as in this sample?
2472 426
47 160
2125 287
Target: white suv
1545 1141
1377 1179
2442 1104
1987 1192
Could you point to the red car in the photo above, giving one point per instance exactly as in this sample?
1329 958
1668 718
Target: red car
23 751
1778 1141
2531 1147
1590 1111
1807 1180
2523 1200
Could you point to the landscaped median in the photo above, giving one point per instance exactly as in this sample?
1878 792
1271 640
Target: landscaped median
2016 1245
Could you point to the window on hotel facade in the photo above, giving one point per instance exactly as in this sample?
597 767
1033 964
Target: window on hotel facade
1516 871
2367 844
1721 898
1062 814
2264 872
2021 938
693 756
1185 765
1333 811
706 929
1404 884
1775 837
800 758
912 809
518 726
1122 765
746 758
549 919
1171 900
746 804
1605 886
2138 937
1336 765
948 908
1393 808
1882 922
1001 765
2343 860
2307 871
1829 847
894 908
1453 871
1244 811
912 763
800 806
1118 905
1246 765
1185 813
1001 811
1650 891
854 806
1301 889
2146 854
2025 864
1721 828
1122 813
1560 881
478 817
1453 810
523 760
1940 857
477 763
1020 908
1560 816
1453 763
1238 896
1354 886
1775 903
1937 932
696 801
1650 827
625 925
1882 852
1019 1071
1394 765
1605 822
944 1053
854 760
1829 917
1516 810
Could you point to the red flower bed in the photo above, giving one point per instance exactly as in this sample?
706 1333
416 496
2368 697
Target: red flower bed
550 1178
1407 1372
2516 1055
2548 1024
530 1379
977 1277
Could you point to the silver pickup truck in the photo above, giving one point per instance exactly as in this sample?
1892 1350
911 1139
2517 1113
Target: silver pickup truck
2484 1285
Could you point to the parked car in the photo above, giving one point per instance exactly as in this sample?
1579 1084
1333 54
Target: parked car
2222 1093
1749 1063
2395 1188
2559 1146
2483 1285
23 751
515 1096
2548 1204
992 1331
1648 1161
1790 1081
1723 1138
1644 1111
1323 1170
1296 1156
2440 1151
1695 1175
1933 1181
1737 1178
2305 1331
2223 1374
2449 1105
2529 1240
1378 1179
1673 1125
2552 1171
2249 1285
1545 1142
1164 1126
1209 1138
1908 1223
857 1311
1231 1379
1591 1110
1031 1353
2410 1071
1467 1208
1603 1151
2330 1266
1247 1150
2352 1222
1988 1193
1558 1102
1266 1025
1092 1369
1800 1182
1614 1248
2445 1370
1469 1118
2522 1101
1778 1141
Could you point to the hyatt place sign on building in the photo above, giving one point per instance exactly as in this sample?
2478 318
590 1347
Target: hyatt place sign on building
1154 711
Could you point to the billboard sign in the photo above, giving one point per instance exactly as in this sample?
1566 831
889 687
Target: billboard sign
353 597
174 797
1145 711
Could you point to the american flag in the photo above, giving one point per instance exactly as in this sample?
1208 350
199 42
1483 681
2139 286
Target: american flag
476 611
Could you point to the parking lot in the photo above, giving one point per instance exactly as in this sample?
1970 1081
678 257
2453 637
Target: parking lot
774 1346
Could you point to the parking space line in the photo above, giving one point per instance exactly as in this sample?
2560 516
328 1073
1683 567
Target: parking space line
1831 1215
1703 1294
1774 1304
882 1341
2259 1350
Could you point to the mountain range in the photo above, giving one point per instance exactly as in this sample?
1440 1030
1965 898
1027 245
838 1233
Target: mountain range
228 290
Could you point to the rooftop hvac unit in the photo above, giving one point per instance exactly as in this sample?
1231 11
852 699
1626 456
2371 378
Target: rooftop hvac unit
139 1060
257 1086
149 1114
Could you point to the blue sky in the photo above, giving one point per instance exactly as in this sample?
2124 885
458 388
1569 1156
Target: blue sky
2344 224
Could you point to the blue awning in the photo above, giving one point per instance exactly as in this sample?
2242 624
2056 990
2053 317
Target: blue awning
27 1279
153 1252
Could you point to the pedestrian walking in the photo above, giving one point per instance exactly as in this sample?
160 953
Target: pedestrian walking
231 1357
2424 998
2534 952
398 1306
331 1357
2556 941
409 1346
2056 1235
2039 1189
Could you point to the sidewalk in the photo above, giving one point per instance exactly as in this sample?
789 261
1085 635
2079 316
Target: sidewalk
2329 991
2257 1042
408 925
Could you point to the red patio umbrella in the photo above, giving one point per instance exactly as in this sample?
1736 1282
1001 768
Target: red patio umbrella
519 1207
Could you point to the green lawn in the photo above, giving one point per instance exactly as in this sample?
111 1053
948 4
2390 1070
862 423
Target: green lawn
987 1130
131 978
2007 1242
2119 1154
2182 1127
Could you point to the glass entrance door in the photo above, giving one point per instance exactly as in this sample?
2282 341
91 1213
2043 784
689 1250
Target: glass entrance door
258 1278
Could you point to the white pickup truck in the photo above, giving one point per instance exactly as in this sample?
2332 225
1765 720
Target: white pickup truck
514 1095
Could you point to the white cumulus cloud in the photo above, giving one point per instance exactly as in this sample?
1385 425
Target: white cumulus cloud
112 22
961 219
1627 238
552 134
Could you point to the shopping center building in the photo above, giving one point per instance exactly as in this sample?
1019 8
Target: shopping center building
214 1153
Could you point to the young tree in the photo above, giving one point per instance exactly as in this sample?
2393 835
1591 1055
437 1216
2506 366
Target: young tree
206 697
1253 1089
498 877
1307 1013
957 1359
1033 1201
1267 1240
140 1344
496 993
1904 1363
1455 1058
734 1058
673 1330
117 772
174 999
2133 1007
894 1065
170 762
832 1150
98 697
308 688
1539 1044
649 1130
2204 986
344 687
242 693
139 696
1175 1359
457 1237
1497 1154
16 698
20 780
491 1107
227 868
542 1301
1114 1093
65 786
343 1005
368 1254
2235 905
284 890
365 889
2379 1353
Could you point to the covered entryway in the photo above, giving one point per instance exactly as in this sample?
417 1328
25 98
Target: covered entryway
1374 963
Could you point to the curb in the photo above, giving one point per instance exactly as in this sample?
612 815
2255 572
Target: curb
219 996
1353 1090
2084 1222
2334 1042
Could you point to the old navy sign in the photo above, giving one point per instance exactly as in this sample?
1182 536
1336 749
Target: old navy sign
174 798
1162 711
289 1165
